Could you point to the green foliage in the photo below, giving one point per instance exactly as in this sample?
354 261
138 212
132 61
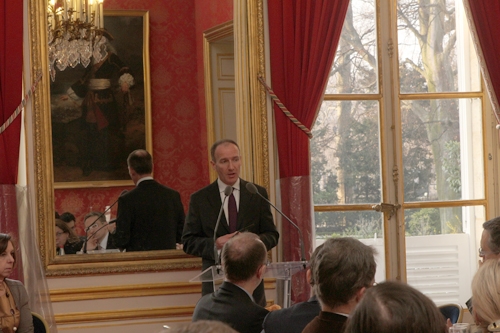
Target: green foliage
451 165
423 222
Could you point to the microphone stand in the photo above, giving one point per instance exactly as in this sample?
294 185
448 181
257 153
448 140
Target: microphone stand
253 189
227 192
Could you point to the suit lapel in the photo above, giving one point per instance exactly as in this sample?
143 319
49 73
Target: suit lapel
245 205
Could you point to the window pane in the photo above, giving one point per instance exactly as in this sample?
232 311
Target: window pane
435 49
442 265
367 226
355 67
345 158
442 149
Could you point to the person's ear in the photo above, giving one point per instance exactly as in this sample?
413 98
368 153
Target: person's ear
261 271
359 295
212 163
308 276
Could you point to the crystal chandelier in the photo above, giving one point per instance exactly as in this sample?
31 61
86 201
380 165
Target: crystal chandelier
75 33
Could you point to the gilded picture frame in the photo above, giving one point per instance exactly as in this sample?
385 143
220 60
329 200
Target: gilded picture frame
93 132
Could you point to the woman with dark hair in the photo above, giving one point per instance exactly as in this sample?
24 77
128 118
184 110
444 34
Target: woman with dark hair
397 308
67 239
15 312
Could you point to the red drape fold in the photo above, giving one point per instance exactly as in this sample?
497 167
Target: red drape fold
303 35
11 61
484 18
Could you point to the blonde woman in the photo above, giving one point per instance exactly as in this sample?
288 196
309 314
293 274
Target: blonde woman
486 296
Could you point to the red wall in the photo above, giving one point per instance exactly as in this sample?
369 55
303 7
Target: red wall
177 100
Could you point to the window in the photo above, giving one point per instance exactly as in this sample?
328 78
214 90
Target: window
397 156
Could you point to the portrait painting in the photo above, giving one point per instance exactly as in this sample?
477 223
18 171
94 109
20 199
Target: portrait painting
102 112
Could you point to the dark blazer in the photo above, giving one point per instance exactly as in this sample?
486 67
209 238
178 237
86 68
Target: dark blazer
326 322
150 217
231 305
292 319
254 215
20 296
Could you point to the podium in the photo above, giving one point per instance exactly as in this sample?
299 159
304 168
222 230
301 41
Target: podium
282 271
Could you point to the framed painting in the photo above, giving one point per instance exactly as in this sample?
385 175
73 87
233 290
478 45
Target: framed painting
102 112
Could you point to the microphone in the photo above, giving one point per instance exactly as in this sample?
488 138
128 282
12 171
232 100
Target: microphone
227 192
97 219
253 189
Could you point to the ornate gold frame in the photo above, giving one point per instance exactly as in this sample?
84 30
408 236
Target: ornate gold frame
252 128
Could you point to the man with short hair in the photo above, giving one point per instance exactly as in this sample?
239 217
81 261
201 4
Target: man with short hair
490 240
251 212
296 317
150 216
343 270
244 259
69 219
96 229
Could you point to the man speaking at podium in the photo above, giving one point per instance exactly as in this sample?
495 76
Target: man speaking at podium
243 211
150 216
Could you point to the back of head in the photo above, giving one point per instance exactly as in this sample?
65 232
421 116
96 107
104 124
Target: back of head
342 267
242 256
140 161
486 291
67 217
397 308
493 228
205 326
312 262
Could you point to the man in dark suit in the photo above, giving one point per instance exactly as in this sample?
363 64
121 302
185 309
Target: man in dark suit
96 229
343 270
151 216
253 213
296 317
244 264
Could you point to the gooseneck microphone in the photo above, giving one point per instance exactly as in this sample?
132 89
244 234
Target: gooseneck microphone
253 189
227 192
84 250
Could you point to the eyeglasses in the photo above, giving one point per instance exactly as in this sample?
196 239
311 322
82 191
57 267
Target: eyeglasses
483 253
93 226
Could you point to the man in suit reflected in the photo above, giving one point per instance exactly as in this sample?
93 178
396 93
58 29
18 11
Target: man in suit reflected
150 216
253 214
97 229
244 259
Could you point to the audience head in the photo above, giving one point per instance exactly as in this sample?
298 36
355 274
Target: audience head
397 308
69 219
244 257
490 240
97 229
7 255
486 293
140 163
205 326
64 234
312 263
226 160
343 269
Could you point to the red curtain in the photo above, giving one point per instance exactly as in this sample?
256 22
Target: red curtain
11 61
304 35
484 15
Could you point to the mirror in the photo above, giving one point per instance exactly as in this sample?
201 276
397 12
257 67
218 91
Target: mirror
171 160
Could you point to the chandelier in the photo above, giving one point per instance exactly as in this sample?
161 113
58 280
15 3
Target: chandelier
76 33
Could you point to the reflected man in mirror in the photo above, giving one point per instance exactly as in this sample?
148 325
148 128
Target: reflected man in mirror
253 213
98 237
151 216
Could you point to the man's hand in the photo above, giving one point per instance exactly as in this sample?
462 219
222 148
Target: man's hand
219 242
